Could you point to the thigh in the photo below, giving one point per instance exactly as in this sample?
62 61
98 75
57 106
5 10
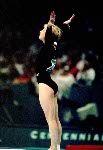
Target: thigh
47 101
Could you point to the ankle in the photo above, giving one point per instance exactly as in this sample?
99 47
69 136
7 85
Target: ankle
58 146
52 148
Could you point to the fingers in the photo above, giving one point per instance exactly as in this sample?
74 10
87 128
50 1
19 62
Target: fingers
52 17
52 14
71 18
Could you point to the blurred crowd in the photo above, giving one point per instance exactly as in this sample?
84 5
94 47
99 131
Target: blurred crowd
75 67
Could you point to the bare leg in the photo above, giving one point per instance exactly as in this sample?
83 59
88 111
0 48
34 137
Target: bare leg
58 122
49 106
59 127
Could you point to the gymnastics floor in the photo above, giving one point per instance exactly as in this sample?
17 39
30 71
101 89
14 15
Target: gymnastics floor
31 148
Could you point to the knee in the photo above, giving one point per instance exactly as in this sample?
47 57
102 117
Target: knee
52 123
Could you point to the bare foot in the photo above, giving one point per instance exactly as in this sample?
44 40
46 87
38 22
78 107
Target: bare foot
52 148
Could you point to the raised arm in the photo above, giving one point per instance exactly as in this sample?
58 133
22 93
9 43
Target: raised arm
49 35
67 22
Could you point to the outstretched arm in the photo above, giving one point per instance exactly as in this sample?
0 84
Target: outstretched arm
67 22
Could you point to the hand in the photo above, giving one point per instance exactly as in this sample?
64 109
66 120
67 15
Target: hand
52 17
68 21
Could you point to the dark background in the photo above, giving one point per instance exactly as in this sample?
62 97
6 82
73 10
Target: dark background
29 16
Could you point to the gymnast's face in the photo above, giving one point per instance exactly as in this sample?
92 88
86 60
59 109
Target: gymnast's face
42 33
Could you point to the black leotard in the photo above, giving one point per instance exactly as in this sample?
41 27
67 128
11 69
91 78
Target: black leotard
45 62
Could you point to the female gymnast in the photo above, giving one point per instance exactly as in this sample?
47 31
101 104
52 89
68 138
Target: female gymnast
48 89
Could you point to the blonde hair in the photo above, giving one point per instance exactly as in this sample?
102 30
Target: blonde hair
56 31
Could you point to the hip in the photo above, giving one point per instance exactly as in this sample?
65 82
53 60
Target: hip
46 79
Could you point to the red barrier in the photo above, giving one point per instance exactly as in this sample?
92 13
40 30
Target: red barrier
84 147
